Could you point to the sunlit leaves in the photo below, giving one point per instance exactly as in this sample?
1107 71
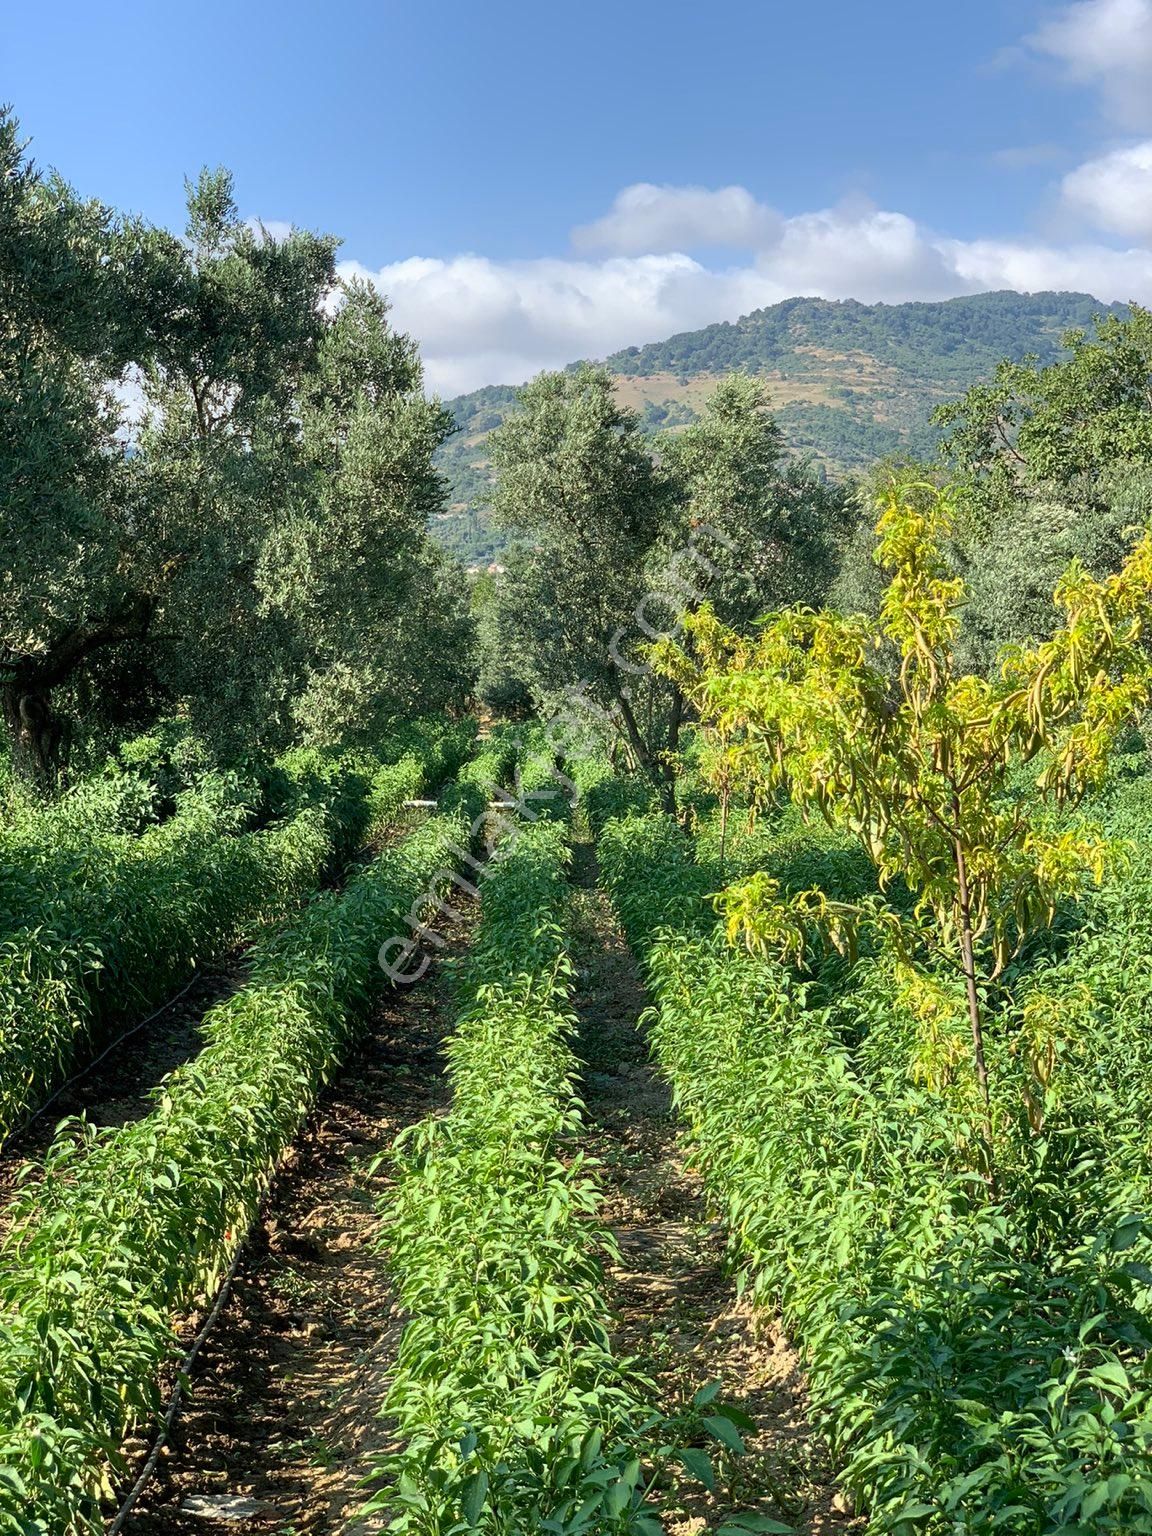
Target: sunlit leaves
133 1226
870 725
978 1368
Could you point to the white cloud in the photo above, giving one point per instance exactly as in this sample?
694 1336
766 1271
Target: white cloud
1032 268
1114 191
636 277
480 321
273 229
650 220
869 254
1106 44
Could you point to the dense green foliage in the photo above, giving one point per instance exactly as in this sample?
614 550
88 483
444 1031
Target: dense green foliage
1072 418
576 479
978 1369
1054 461
620 539
768 527
949 341
858 382
130 1227
917 760
99 926
252 550
505 1371
915 1070
515 1413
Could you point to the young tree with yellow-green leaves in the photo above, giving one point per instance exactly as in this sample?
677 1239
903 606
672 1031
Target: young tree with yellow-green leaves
870 724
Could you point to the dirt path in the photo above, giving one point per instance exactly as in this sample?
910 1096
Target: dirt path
283 1420
283 1416
678 1311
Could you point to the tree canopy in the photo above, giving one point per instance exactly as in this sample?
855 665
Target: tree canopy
258 531
619 535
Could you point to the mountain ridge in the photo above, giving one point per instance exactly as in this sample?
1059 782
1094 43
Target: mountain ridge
849 382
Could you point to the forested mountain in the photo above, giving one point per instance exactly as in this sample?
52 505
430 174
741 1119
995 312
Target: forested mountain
850 382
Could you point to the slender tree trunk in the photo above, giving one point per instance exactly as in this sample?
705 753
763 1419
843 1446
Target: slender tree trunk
675 719
975 1018
661 774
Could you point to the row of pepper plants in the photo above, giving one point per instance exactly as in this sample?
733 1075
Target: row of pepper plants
103 926
514 1411
129 1230
979 1366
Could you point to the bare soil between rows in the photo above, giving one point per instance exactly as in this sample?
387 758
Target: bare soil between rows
677 1309
283 1418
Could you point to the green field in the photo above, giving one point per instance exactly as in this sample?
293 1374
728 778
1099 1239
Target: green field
650 1038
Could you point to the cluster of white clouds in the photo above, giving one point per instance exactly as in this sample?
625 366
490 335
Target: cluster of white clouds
1106 44
637 273
1113 192
648 220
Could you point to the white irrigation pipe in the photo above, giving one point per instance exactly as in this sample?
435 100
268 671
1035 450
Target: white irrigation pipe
493 805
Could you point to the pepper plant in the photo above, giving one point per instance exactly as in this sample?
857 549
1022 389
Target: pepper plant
870 724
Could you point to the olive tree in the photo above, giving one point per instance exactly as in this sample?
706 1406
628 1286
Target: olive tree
259 534
621 534
576 482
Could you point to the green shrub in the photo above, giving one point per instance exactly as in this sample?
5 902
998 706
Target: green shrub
977 1368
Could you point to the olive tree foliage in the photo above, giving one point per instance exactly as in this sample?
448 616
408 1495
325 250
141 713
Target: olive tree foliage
380 614
218 462
69 273
576 483
501 671
763 529
416 657
757 530
1065 424
622 536
252 553
1054 463
1011 572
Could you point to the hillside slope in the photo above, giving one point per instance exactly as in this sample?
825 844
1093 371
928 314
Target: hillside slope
850 382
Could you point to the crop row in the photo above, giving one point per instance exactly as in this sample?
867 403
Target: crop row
152 775
129 918
505 1369
131 1228
979 1366
514 1411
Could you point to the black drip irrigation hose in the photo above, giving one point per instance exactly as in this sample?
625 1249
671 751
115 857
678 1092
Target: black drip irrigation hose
90 1067
164 1430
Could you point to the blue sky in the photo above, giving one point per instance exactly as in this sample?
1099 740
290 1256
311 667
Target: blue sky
533 182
